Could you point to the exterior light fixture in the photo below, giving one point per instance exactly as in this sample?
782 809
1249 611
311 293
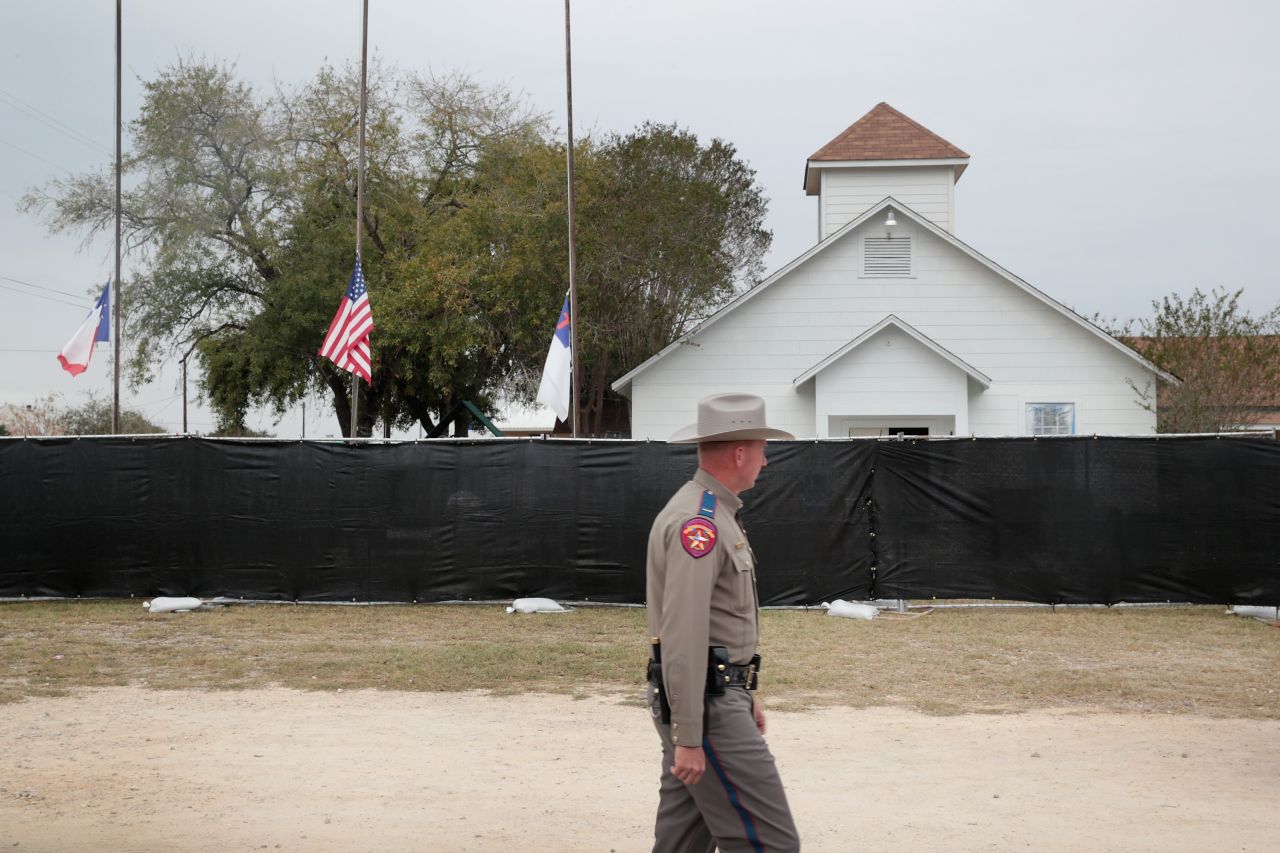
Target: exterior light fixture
889 221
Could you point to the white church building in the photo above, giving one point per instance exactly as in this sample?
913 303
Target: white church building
892 325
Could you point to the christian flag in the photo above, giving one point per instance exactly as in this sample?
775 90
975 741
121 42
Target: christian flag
347 342
75 356
557 375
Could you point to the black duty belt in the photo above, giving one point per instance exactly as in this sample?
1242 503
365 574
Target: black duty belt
745 676
732 675
722 674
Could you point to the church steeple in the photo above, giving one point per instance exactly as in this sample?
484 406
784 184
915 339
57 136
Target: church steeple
884 153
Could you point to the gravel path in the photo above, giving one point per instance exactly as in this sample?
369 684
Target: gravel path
126 769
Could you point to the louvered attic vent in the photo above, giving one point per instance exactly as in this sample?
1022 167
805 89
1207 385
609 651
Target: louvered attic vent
886 257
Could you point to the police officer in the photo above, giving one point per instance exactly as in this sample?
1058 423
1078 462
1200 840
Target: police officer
720 786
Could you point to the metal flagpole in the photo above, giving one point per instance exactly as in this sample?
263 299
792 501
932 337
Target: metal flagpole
364 58
115 285
573 261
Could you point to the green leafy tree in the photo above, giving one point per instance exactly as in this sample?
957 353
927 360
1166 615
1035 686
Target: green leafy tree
242 220
202 216
1228 361
93 417
677 229
669 229
241 432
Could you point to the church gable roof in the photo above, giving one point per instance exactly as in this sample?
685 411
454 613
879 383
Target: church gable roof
874 211
924 340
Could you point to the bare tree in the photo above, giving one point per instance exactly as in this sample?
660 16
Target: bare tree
1228 361
42 416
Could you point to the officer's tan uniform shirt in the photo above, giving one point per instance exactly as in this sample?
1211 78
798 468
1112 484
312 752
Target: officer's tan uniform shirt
699 602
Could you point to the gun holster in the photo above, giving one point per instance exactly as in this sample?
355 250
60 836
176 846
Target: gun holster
717 675
653 674
717 670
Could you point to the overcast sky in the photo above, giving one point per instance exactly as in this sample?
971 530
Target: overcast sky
1119 150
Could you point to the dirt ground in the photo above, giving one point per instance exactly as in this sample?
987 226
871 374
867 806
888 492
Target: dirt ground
130 769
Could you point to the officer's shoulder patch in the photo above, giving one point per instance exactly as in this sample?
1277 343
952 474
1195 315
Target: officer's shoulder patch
698 536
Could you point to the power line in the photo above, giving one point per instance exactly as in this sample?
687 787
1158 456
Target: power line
42 287
160 410
14 102
166 400
37 156
47 298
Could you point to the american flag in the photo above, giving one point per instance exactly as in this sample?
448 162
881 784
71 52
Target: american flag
347 343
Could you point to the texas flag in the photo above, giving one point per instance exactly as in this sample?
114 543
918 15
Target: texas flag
75 356
557 375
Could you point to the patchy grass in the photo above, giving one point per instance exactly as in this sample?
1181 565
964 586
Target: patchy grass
1190 660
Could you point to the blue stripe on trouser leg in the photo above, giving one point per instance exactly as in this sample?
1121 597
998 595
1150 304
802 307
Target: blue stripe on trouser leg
747 821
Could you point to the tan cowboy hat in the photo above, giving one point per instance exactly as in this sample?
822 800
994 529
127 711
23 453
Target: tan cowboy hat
726 417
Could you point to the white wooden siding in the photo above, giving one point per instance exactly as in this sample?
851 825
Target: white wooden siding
892 374
1030 351
847 193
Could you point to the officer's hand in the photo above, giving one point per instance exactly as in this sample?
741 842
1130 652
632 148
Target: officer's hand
758 712
690 764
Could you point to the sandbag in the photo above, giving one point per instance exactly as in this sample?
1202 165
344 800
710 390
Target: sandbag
850 610
171 605
535 605
1271 614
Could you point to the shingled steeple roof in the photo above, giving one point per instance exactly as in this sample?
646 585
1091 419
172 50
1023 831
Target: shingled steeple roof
885 134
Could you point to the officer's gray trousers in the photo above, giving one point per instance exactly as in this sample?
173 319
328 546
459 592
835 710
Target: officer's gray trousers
739 804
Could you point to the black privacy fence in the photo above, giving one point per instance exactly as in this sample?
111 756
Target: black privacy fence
1062 520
